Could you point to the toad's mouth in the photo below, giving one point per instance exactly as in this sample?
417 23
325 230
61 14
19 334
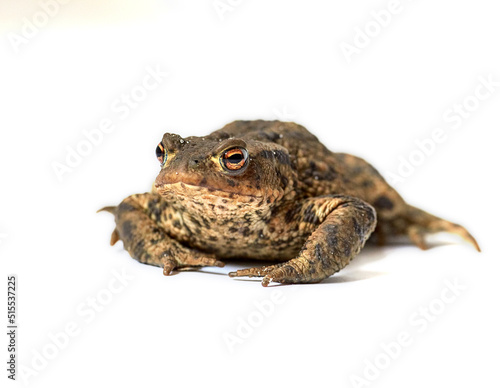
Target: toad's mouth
179 185
189 189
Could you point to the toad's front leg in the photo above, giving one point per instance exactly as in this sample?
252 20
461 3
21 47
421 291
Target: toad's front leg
341 225
138 225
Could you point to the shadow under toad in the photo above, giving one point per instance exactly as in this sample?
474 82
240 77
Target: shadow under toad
352 273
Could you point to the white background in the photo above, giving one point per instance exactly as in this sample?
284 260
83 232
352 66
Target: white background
262 59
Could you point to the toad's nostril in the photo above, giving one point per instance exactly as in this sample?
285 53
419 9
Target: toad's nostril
195 162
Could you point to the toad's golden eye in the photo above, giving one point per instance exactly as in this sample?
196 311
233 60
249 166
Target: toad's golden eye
161 154
234 159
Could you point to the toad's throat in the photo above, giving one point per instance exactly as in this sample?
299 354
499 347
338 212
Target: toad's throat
217 204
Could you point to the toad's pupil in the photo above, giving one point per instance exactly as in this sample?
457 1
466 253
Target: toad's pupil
235 158
159 152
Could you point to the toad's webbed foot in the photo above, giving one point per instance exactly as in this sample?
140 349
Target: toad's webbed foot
340 227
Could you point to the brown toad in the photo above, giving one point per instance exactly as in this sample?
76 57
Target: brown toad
265 190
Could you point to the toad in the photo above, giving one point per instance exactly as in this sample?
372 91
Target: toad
265 190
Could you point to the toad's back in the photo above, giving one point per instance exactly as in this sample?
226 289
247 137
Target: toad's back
319 170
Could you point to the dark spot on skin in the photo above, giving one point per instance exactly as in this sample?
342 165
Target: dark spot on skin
203 182
245 231
146 258
206 223
127 231
266 154
383 202
221 207
125 207
279 155
224 200
230 182
156 230
370 213
331 174
367 183
258 213
156 212
155 241
310 215
196 222
232 229
156 208
290 215
176 224
138 250
186 228
347 250
284 181
213 238
167 253
282 157
318 252
357 228
268 135
169 216
331 236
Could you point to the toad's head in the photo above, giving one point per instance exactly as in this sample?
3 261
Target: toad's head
224 168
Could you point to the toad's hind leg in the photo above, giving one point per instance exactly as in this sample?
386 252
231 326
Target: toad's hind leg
416 224
422 223
137 225
339 225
